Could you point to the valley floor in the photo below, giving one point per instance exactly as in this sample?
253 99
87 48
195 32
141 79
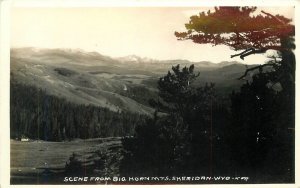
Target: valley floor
40 162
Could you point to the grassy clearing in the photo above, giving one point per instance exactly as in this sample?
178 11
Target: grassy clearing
30 160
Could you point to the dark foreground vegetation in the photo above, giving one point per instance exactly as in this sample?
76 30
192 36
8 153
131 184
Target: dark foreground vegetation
254 138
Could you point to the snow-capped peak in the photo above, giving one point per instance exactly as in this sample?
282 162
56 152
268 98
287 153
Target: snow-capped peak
135 59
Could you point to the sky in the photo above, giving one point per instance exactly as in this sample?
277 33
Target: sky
116 32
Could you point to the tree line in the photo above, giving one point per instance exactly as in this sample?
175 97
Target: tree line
38 115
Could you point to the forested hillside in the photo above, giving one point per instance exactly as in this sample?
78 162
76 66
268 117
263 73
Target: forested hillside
37 115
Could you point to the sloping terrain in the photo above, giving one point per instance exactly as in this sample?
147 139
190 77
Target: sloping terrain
121 84
80 79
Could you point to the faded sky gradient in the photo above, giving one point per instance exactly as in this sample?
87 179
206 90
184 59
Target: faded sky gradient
116 32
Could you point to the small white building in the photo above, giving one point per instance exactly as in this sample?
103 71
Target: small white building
24 139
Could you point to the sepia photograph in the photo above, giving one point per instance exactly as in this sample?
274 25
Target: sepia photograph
152 95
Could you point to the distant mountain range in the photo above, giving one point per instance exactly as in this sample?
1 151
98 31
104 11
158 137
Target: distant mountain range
125 83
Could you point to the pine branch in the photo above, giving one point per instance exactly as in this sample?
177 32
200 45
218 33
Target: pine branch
254 68
245 51
249 51
259 51
268 14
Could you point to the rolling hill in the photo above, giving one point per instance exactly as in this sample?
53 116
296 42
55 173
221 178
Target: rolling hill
119 84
